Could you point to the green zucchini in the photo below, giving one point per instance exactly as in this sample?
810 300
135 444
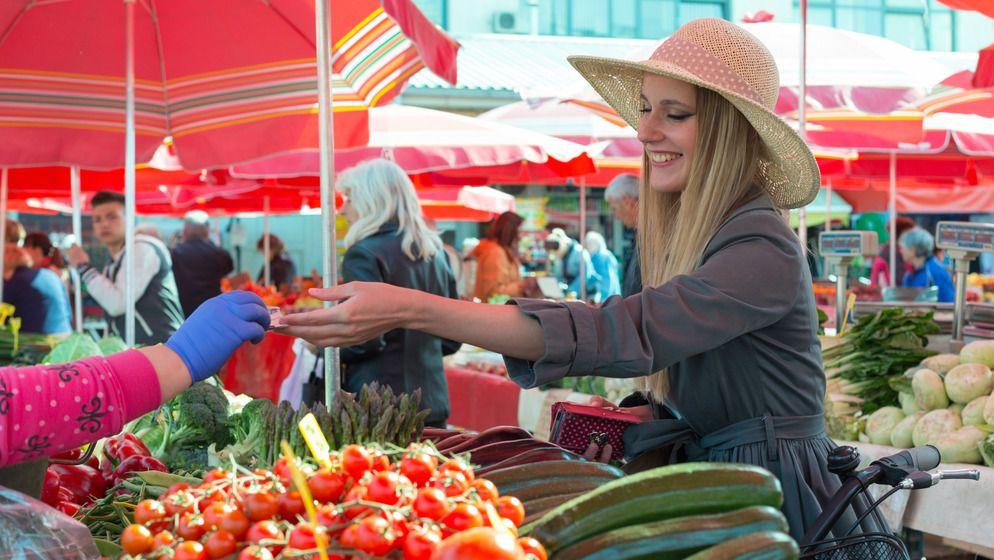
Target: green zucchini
556 488
511 478
675 538
757 546
656 495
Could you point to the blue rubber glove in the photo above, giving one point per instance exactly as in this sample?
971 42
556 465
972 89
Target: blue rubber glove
216 329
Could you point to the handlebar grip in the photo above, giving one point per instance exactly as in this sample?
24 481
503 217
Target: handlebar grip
924 458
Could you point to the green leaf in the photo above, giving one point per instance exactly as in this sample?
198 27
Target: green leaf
76 347
111 345
107 548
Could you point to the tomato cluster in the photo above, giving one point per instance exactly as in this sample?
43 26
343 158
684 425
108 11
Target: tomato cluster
421 506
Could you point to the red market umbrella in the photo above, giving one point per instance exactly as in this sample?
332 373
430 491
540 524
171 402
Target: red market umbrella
985 7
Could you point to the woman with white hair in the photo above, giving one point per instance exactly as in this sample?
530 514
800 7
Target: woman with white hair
388 241
605 264
917 248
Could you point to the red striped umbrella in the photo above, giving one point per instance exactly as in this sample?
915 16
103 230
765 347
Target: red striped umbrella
985 7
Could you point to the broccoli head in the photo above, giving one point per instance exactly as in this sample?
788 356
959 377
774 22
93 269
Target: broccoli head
197 418
251 430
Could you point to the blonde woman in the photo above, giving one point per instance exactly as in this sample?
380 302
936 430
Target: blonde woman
388 241
722 339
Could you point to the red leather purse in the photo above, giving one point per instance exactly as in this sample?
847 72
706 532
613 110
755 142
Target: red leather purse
574 426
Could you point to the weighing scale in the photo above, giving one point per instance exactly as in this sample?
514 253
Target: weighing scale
963 242
840 248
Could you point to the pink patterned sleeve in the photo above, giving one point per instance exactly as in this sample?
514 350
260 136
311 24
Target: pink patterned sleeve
45 410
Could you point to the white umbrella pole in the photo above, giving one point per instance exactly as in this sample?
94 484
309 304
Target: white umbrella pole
326 127
267 271
893 219
828 206
129 176
77 232
802 221
583 237
3 216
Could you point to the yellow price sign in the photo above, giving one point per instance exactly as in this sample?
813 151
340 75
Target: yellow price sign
315 439
305 495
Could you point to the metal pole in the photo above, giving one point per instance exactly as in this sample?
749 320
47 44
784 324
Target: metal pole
326 127
129 175
893 220
266 275
583 237
802 218
3 216
962 268
77 232
828 217
841 286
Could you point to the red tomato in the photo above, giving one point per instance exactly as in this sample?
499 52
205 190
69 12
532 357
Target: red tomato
255 553
213 514
454 483
326 486
419 468
163 539
486 490
177 503
150 512
282 470
191 527
259 506
356 461
463 517
533 547
291 505
383 488
380 462
455 465
356 493
213 496
302 537
511 508
190 550
350 537
330 519
220 544
136 539
235 522
215 475
176 488
431 503
421 544
263 530
481 543
375 536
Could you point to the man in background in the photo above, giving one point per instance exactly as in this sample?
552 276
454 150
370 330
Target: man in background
198 264
622 195
157 309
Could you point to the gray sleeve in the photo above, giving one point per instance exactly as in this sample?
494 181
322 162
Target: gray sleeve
750 279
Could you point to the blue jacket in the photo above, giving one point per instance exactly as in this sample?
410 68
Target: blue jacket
932 274
606 265
39 299
571 270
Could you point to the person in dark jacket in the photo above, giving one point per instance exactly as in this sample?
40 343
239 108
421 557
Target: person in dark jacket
388 241
198 264
282 271
37 294
622 195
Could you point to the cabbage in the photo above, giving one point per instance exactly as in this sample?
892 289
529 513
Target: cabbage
978 352
930 393
900 436
941 363
908 404
957 409
973 413
987 450
961 446
968 381
933 425
881 422
989 411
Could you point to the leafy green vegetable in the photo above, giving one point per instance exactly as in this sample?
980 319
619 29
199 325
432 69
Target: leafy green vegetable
251 430
987 450
111 345
875 353
76 347
187 425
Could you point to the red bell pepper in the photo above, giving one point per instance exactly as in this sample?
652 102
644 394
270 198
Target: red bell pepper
75 454
50 488
119 448
84 482
68 508
137 463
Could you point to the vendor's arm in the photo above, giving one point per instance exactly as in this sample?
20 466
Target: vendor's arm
45 410
359 264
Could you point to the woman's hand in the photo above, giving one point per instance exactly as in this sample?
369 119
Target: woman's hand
595 452
365 310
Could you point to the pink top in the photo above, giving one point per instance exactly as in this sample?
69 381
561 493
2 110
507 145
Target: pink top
45 410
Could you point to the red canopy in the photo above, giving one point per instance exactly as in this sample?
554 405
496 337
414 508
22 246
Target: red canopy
985 7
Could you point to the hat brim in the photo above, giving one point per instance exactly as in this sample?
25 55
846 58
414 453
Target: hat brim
789 173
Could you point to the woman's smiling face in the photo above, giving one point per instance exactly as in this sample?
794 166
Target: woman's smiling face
667 129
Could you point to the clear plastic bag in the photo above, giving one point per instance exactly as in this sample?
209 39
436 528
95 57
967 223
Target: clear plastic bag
31 530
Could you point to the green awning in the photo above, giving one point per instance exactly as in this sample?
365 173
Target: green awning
839 211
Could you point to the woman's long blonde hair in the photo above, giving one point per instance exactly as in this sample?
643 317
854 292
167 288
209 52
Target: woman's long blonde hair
674 228
381 192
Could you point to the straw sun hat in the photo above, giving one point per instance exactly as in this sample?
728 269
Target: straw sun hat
718 55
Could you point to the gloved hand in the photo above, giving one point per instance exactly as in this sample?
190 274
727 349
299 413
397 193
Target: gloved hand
216 329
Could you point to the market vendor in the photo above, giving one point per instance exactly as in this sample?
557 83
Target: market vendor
723 338
45 410
917 249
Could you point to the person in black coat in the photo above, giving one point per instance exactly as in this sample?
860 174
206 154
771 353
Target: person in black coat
282 271
198 264
388 241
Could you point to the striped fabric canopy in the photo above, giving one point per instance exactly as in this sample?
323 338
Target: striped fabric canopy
229 80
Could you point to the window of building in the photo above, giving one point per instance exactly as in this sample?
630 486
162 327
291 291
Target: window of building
648 19
435 10
909 22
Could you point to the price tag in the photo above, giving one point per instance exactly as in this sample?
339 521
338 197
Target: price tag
850 303
315 439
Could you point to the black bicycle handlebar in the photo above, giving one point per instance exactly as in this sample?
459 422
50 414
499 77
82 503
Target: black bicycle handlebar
924 458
